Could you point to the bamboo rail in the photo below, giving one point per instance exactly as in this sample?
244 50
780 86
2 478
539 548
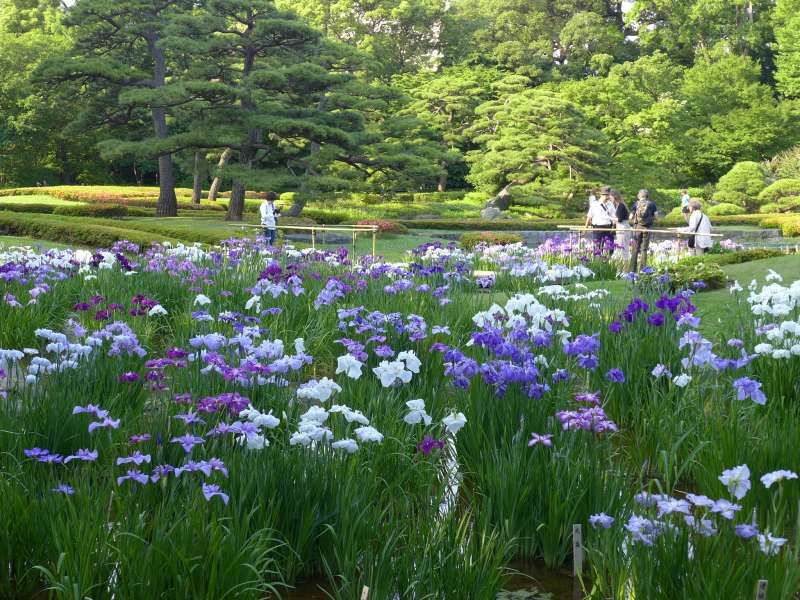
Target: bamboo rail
354 229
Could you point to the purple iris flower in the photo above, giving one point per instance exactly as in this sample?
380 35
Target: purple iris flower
136 458
545 439
83 454
106 422
90 409
656 319
139 438
429 444
615 327
560 375
187 441
133 475
190 418
63 488
211 490
749 388
161 472
601 520
129 377
615 376
746 531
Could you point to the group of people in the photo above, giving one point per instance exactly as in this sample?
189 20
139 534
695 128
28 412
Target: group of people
618 228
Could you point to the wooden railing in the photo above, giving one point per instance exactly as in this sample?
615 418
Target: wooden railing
314 229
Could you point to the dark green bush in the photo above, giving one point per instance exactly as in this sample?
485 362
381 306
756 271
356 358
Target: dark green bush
469 240
327 217
742 185
72 231
725 209
732 258
44 209
709 274
92 210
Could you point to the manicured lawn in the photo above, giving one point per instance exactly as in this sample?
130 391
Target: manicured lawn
38 199
8 240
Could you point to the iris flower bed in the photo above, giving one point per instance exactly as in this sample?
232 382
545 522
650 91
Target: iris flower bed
187 422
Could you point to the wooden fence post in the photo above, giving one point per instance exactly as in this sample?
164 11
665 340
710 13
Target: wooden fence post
577 561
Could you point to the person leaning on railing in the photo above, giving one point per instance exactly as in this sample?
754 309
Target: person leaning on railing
699 229
642 218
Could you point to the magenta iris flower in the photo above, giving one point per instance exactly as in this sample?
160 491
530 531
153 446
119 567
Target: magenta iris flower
429 444
211 490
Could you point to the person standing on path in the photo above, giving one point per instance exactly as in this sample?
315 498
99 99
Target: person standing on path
685 200
642 218
269 217
600 217
621 218
699 230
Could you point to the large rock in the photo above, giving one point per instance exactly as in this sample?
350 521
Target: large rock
490 213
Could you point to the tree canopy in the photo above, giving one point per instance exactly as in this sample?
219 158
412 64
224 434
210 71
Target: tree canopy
381 95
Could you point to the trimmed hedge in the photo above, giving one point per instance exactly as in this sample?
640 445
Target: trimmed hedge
683 276
72 231
783 187
486 225
42 209
725 209
92 210
469 240
733 258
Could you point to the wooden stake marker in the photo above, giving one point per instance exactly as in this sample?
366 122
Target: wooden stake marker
761 590
365 593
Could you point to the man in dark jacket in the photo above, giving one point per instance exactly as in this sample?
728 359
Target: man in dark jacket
642 218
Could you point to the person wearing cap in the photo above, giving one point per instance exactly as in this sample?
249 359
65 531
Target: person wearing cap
269 217
622 221
601 218
642 218
699 229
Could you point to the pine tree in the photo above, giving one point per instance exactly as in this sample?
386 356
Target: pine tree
288 105
119 54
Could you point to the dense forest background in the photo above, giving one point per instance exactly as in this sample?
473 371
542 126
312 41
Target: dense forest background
317 96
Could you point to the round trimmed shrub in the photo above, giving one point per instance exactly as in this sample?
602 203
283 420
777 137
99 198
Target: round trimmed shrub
725 208
742 185
780 189
471 239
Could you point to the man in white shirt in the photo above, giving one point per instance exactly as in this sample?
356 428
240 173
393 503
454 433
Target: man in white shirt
269 217
600 217
699 230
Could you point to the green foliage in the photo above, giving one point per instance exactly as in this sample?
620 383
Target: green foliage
786 165
725 208
787 35
73 231
483 224
31 207
533 137
778 190
92 210
732 258
469 240
742 185
707 273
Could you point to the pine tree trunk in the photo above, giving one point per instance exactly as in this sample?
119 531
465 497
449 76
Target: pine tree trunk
213 191
167 201
67 176
297 206
236 205
442 185
196 182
